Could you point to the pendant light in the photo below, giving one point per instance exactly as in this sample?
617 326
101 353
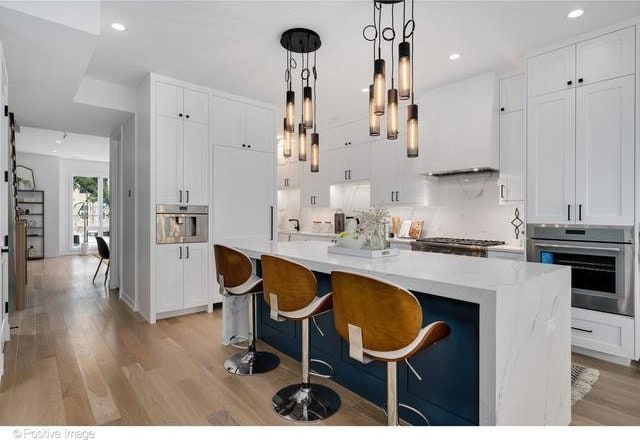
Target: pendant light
302 41
374 120
315 137
286 148
377 91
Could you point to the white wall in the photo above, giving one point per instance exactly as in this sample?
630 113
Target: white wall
127 215
68 169
46 170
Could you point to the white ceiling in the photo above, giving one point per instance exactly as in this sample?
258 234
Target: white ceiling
73 146
234 46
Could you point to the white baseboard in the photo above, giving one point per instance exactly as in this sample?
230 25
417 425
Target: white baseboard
602 356
128 301
181 312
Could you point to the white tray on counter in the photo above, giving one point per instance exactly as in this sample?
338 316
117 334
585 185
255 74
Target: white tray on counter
364 253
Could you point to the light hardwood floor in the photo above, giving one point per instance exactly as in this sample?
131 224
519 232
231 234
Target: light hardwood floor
80 357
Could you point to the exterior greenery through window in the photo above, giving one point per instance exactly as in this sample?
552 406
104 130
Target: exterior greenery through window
91 201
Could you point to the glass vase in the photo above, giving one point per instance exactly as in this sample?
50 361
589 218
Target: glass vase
378 238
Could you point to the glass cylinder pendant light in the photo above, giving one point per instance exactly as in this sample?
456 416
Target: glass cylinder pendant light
286 135
374 120
392 114
379 87
404 70
307 107
315 152
412 130
290 111
302 143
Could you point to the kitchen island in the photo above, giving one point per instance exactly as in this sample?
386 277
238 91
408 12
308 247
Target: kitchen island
506 362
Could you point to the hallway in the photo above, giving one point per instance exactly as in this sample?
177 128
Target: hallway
80 357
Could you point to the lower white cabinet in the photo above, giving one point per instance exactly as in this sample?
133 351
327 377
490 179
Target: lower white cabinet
181 276
603 332
505 255
393 180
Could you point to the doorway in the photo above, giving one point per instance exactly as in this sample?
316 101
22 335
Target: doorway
91 201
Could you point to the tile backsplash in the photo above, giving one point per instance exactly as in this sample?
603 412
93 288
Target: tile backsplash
463 206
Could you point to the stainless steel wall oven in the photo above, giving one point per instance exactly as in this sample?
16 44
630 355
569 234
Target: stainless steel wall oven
601 261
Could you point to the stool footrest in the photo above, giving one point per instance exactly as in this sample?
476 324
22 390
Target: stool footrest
305 402
326 364
236 340
412 409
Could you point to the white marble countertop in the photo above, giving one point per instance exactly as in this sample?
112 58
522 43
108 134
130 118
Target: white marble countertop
420 271
508 248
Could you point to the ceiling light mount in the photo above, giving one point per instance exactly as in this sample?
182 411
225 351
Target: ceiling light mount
300 40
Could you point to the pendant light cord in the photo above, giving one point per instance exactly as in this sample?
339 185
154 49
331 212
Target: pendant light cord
315 94
393 27
379 29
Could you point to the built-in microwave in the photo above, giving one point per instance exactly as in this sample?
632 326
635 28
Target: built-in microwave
182 224
601 261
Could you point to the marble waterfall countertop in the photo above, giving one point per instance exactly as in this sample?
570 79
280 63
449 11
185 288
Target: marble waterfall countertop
524 320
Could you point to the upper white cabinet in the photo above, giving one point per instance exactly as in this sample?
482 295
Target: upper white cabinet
393 180
605 152
314 187
551 71
512 139
608 56
241 125
288 175
580 141
196 163
176 102
353 133
351 163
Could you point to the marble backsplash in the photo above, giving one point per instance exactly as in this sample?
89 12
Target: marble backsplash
464 206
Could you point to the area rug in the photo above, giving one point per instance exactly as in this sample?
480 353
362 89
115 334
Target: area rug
582 379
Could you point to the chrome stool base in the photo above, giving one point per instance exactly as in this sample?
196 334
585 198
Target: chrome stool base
248 363
305 403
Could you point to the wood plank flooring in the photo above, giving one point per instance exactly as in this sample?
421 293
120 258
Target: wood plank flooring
81 357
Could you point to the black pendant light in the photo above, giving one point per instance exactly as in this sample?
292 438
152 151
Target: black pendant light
377 92
286 134
302 41
315 137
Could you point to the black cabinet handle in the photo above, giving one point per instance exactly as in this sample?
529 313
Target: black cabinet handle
180 252
249 146
180 195
581 329
569 82
244 145
349 174
502 191
180 114
392 196
579 212
397 196
271 221
568 212
187 117
345 174
187 196
187 252
4 250
580 80
501 109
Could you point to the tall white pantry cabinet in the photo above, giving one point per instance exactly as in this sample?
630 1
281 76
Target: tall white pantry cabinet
197 146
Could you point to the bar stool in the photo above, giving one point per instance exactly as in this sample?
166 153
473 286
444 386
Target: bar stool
290 290
382 321
236 278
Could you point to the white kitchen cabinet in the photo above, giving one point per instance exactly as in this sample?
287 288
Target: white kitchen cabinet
351 163
169 278
512 156
169 160
245 126
288 175
551 158
605 152
551 71
512 93
314 187
244 193
195 270
603 332
181 276
608 56
182 161
505 255
394 181
196 163
176 102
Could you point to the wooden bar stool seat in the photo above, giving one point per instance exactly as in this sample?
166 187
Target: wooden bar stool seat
236 278
290 290
382 321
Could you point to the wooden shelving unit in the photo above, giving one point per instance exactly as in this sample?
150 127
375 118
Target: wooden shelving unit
30 207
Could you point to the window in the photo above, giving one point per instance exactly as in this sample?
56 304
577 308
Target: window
91 199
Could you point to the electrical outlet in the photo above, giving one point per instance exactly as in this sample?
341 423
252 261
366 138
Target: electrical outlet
551 325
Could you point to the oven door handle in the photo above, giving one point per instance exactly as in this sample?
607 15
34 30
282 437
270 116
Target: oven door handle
585 248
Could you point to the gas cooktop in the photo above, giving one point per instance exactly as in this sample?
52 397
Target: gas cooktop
456 246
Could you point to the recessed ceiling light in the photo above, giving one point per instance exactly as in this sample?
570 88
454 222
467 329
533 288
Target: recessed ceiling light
364 90
54 151
575 13
58 142
476 170
118 26
454 56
